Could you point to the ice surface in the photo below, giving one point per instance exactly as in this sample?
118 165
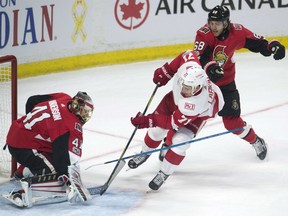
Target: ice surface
220 176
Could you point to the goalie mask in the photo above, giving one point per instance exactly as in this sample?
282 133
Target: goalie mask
192 78
82 106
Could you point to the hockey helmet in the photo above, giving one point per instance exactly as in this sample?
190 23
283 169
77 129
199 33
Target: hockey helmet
82 106
219 13
192 74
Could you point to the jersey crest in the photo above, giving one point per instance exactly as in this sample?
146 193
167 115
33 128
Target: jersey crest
219 55
189 106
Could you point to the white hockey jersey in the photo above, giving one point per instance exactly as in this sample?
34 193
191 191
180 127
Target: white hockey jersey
206 104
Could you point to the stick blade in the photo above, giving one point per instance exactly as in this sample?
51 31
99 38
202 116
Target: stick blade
103 189
115 172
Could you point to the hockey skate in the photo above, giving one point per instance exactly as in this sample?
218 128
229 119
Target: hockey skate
260 148
158 180
137 161
163 151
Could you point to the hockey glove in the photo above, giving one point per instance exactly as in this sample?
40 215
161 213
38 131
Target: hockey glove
214 71
277 49
143 121
162 75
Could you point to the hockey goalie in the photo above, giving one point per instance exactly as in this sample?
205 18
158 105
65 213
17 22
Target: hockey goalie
46 142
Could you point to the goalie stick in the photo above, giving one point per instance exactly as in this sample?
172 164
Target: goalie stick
100 189
120 161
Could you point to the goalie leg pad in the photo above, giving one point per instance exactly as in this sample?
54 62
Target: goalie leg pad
27 195
76 191
15 198
21 198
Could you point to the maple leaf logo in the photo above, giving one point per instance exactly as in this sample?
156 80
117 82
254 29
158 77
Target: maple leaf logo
130 14
131 10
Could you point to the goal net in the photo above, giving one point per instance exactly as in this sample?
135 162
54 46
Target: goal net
8 109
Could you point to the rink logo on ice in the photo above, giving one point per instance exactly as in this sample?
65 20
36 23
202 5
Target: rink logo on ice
189 106
131 14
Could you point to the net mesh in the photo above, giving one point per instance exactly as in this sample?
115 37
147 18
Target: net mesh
5 115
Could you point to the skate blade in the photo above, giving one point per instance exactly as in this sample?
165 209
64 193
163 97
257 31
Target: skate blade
150 191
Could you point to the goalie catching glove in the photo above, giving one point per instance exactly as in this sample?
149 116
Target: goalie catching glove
214 71
277 49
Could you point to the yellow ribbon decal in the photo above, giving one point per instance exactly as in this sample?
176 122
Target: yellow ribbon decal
79 11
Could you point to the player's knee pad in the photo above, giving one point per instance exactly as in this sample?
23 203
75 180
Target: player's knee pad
157 133
153 138
181 150
182 135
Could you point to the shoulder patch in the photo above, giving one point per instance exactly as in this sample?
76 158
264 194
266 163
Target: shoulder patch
78 127
204 29
237 26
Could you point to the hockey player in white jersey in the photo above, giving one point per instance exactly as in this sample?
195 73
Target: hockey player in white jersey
180 115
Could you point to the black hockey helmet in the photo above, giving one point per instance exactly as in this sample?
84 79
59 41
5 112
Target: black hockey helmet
82 106
219 13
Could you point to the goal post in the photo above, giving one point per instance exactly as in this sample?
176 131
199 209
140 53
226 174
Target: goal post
8 109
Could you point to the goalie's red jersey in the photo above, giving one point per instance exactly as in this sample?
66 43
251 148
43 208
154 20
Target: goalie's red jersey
46 122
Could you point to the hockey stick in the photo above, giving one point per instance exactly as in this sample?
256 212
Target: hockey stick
120 161
170 147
